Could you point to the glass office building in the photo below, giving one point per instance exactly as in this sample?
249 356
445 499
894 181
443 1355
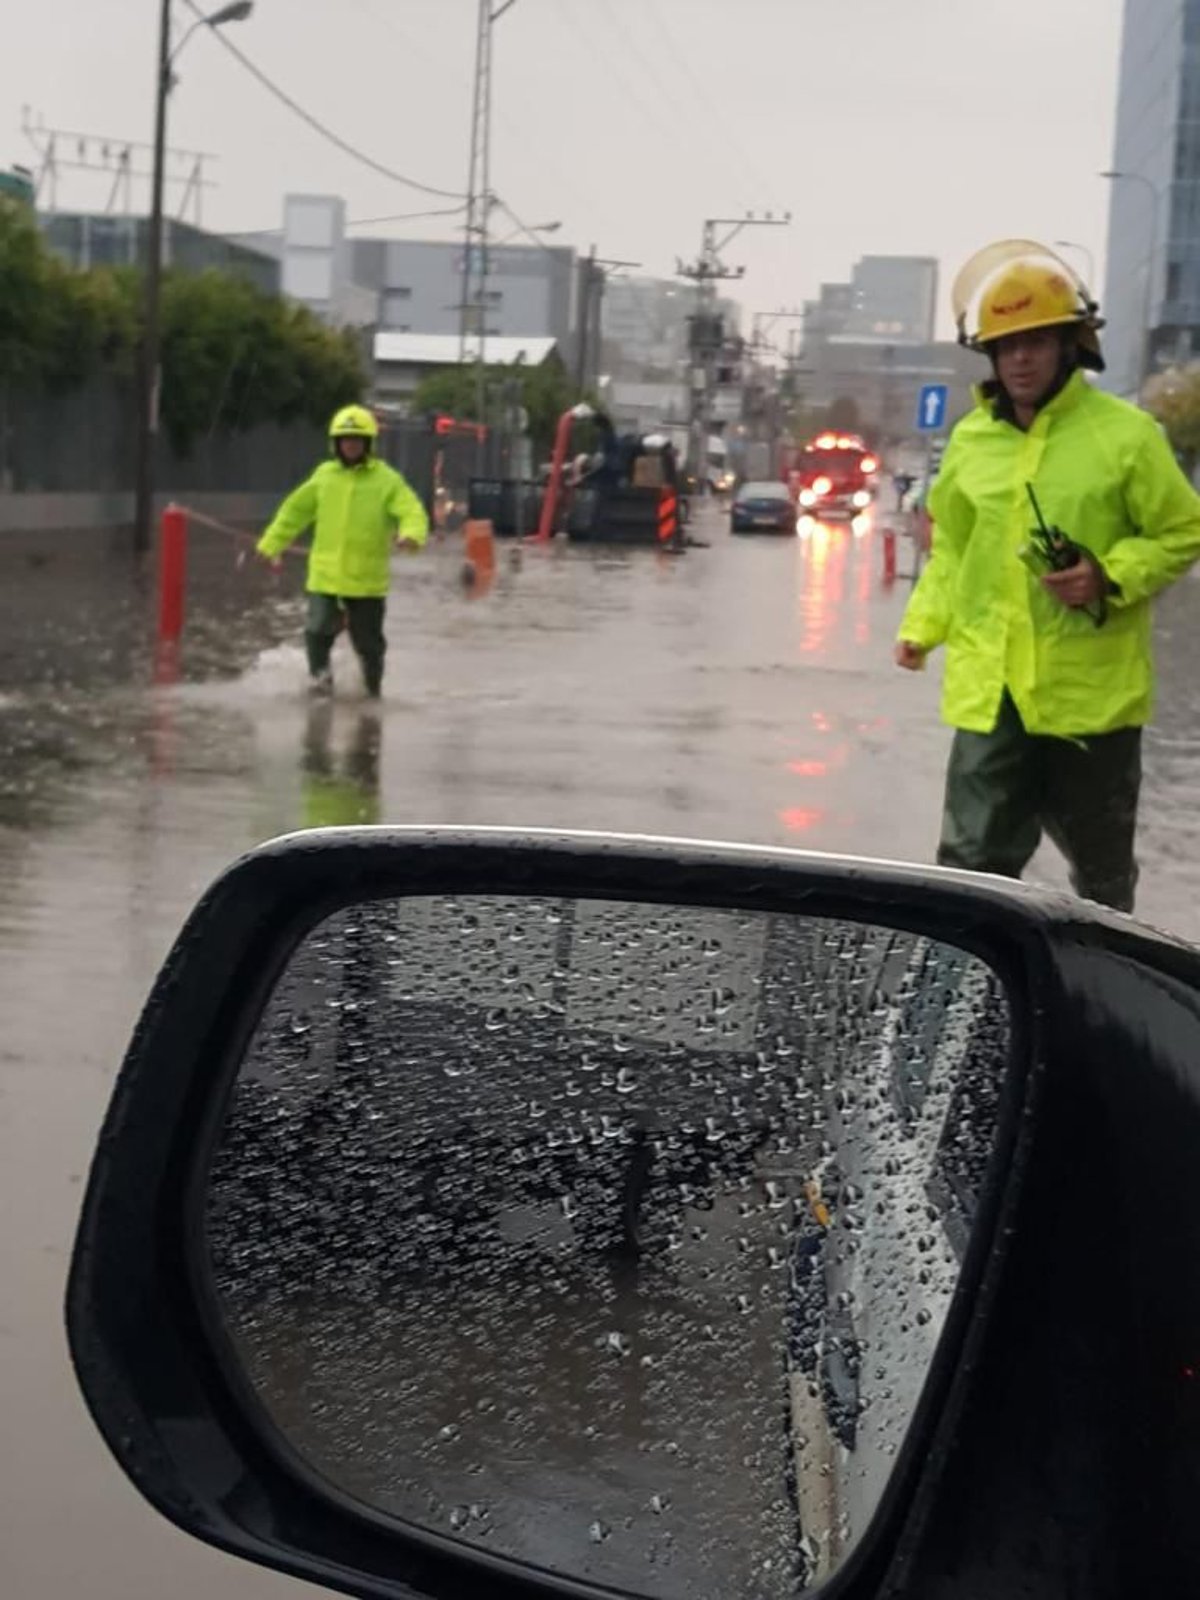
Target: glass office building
1152 283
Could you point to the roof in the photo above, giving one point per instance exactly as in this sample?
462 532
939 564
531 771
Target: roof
442 349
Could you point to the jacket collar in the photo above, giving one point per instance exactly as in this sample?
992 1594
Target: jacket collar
1067 398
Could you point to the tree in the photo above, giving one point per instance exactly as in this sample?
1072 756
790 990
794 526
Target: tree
56 326
233 356
1174 398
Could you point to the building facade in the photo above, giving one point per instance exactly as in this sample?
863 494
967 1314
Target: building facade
644 327
419 285
1152 282
88 240
893 300
889 300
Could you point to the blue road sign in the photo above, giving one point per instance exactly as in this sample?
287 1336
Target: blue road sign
931 407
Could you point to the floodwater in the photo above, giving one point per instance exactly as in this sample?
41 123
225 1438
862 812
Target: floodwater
741 692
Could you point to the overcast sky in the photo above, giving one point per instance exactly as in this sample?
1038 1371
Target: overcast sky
885 126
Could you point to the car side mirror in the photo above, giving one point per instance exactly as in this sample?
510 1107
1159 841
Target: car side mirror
522 1215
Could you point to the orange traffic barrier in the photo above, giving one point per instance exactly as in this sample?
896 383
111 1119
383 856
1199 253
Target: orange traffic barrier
668 517
889 555
481 545
172 573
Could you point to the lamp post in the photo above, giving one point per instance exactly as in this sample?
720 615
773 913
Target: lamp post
1072 244
148 365
1148 309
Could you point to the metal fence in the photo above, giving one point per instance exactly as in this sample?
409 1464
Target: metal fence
84 442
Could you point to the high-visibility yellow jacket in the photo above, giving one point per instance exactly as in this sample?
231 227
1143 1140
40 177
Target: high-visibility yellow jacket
355 513
1103 472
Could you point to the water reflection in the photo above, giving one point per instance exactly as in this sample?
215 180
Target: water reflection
341 778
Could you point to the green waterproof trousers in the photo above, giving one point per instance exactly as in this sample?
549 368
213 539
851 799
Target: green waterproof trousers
1007 787
364 618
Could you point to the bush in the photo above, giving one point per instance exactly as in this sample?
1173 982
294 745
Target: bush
233 357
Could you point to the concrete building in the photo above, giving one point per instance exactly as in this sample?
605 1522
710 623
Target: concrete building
893 300
402 360
644 327
1152 282
884 381
104 240
415 285
871 341
890 300
418 285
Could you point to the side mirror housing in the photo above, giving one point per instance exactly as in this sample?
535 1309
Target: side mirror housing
526 1215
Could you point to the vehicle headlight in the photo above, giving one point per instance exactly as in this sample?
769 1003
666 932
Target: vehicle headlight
862 498
807 497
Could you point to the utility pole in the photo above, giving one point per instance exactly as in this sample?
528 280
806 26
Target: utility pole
766 419
149 354
474 303
593 276
707 331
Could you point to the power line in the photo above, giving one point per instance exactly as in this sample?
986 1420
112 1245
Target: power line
709 100
647 107
318 126
407 216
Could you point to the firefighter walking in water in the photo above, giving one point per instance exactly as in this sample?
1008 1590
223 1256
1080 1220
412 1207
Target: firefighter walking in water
1059 513
356 505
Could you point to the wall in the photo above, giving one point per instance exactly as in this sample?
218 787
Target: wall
531 290
67 462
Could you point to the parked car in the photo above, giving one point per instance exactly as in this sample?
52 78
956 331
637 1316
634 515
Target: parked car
762 508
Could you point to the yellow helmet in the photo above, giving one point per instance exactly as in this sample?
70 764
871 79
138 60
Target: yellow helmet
354 422
1016 285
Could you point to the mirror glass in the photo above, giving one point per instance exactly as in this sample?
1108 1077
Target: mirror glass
615 1238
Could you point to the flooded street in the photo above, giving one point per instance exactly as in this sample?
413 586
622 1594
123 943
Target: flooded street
744 692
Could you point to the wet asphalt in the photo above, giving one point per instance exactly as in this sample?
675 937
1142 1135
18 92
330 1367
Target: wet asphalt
741 692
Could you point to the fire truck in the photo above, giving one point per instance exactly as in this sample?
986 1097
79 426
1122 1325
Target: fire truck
833 475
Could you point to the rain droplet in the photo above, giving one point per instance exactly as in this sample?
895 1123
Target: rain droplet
599 1531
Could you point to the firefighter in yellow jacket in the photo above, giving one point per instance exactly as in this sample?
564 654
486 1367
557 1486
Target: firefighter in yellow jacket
355 505
1059 513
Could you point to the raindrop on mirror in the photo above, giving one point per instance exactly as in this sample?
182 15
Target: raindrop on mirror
614 1239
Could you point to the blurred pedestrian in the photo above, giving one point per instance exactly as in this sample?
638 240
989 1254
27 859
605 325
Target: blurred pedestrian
1049 675
356 505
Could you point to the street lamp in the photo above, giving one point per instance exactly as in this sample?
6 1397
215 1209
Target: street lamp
541 227
148 374
1071 244
1148 310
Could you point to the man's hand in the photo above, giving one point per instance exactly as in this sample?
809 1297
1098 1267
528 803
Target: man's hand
1080 585
410 546
274 562
910 656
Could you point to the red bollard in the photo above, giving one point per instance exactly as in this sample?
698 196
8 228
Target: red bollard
172 572
889 555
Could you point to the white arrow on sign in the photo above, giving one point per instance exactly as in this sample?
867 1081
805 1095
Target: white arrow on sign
933 407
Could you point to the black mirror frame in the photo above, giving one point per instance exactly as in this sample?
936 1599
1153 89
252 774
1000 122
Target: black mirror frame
153 1380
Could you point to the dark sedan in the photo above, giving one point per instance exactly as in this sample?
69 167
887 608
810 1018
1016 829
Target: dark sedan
763 508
